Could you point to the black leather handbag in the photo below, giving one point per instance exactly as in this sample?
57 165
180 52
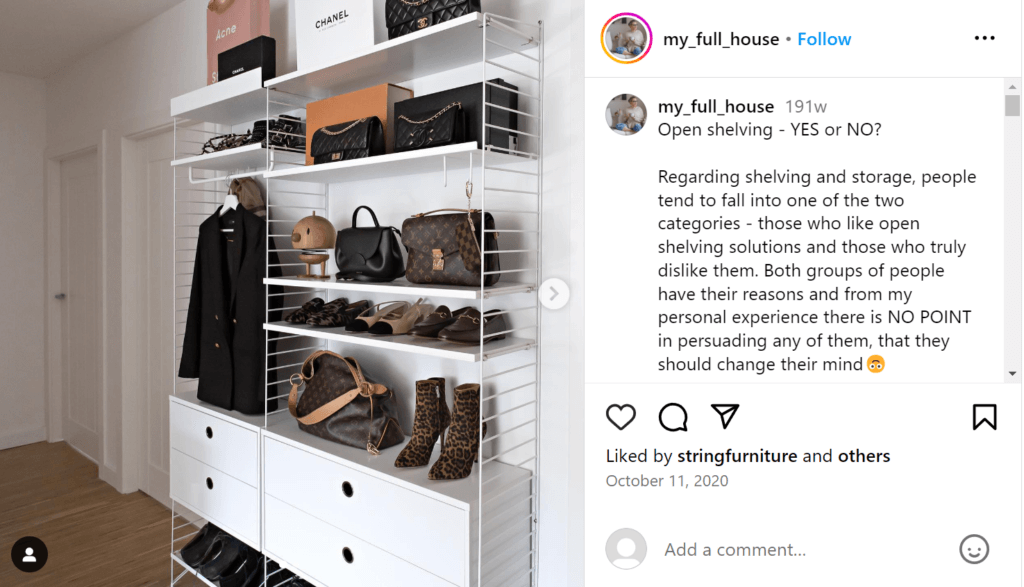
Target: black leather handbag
371 253
423 130
285 131
500 115
408 16
349 140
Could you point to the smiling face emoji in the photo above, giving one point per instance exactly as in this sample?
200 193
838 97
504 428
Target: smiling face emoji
974 549
876 363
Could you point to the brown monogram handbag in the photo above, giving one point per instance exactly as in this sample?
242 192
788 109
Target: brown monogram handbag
446 249
342 405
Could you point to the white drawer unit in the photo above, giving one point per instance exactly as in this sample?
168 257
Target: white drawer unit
430 525
319 551
414 526
218 442
217 496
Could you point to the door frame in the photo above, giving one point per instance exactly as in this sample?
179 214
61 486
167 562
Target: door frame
54 280
135 310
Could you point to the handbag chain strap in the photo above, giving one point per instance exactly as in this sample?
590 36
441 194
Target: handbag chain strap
346 129
420 3
434 117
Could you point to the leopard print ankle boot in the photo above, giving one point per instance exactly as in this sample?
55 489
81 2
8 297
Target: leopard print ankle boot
463 444
431 420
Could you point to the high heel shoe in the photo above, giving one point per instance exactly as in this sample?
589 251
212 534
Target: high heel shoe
399 322
463 442
365 320
431 420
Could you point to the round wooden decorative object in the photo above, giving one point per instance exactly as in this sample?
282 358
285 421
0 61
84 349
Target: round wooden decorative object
313 232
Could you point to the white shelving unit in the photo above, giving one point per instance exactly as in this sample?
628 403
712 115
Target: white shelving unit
321 506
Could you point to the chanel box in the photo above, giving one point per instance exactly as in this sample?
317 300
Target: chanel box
259 52
328 31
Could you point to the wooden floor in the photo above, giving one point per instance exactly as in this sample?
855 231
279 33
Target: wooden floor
94 535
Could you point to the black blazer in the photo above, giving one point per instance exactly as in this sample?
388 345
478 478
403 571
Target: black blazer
224 340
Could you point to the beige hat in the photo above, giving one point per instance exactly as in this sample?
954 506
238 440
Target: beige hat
249 195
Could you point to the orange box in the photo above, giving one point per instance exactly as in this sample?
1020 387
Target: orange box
377 101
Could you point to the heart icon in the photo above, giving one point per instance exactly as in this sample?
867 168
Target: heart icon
621 416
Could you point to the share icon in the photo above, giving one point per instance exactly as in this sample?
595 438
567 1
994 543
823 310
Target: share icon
726 412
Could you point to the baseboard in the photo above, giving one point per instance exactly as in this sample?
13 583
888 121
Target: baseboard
22 437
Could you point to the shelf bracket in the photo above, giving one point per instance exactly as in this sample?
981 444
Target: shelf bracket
445 168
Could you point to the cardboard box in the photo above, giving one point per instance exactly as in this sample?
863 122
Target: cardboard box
327 31
377 101
229 23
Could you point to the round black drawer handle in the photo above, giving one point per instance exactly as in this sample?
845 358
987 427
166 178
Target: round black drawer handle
209 483
346 488
209 432
345 552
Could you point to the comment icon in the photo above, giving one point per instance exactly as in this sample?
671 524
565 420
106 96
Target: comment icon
673 417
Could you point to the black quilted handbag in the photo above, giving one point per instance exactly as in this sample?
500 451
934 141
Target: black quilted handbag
431 129
285 131
408 16
368 254
349 140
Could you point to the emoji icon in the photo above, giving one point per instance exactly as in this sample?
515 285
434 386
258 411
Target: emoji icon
725 412
876 363
620 416
626 548
673 417
974 549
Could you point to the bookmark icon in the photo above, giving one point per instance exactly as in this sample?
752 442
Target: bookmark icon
726 413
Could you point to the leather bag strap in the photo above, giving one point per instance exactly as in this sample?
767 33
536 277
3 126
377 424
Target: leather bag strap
368 209
363 388
422 214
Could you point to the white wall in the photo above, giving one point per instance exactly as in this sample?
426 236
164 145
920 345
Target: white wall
125 87
22 229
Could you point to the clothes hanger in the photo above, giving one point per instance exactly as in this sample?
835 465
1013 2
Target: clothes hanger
230 203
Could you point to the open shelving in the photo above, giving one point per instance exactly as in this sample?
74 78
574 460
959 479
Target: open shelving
430 347
508 370
442 47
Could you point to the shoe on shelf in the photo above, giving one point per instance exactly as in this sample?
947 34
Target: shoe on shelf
368 317
431 419
337 315
441 318
463 441
466 329
244 572
225 555
308 309
400 321
196 550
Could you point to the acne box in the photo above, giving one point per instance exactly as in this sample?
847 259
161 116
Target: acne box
229 23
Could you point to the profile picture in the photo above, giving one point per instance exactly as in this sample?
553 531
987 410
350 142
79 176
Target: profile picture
626 37
626 549
626 114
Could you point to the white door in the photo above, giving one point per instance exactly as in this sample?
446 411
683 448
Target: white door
155 205
82 310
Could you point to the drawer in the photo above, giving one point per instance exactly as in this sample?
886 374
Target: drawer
225 446
428 533
222 499
318 551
